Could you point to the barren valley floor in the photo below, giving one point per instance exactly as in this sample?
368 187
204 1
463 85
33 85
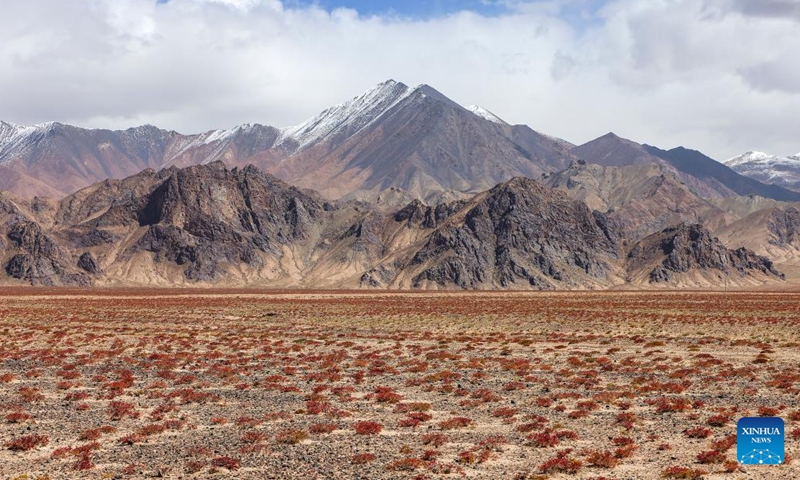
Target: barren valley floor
320 384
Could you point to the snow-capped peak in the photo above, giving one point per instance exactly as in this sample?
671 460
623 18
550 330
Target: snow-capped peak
8 130
486 114
16 139
353 115
752 156
761 158
783 171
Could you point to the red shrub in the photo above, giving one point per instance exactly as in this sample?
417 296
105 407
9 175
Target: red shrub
315 407
718 420
768 411
367 428
604 459
28 442
625 451
117 410
543 440
405 465
435 439
386 395
323 427
683 473
362 458
17 417
254 436
561 464
665 405
455 422
711 456
724 444
412 407
698 432
84 462
505 412
226 462
61 452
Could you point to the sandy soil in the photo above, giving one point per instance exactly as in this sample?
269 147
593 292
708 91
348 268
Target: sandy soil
319 384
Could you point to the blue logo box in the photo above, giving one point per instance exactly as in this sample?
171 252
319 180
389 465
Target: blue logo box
760 441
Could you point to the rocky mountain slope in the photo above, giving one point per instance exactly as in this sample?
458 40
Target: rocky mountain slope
414 140
29 254
638 199
766 168
773 231
210 225
519 234
688 255
707 177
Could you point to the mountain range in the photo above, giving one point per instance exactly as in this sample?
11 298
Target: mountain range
399 187
414 140
782 171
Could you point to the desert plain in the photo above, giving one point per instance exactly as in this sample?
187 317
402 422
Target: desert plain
138 383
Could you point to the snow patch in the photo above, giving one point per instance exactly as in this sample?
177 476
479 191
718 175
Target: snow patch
16 140
486 114
763 166
351 116
753 156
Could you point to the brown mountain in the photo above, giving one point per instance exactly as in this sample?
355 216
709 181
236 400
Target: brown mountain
29 253
209 225
639 199
56 159
688 255
520 234
773 231
414 140
707 177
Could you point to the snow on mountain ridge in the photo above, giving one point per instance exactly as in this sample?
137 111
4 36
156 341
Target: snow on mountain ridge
755 157
15 140
782 171
364 110
486 114
752 156
349 117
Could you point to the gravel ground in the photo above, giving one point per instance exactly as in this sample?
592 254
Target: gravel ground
250 384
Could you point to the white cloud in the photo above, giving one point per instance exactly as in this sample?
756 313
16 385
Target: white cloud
718 75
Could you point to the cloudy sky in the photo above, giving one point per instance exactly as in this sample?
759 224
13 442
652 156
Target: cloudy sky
721 76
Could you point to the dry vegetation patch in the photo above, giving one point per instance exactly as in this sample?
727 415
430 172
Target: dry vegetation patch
115 383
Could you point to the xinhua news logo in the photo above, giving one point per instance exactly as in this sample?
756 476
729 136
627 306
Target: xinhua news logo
759 441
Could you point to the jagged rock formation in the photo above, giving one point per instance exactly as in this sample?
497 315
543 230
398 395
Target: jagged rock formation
669 256
213 226
784 227
772 231
204 219
89 264
520 234
29 254
638 199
